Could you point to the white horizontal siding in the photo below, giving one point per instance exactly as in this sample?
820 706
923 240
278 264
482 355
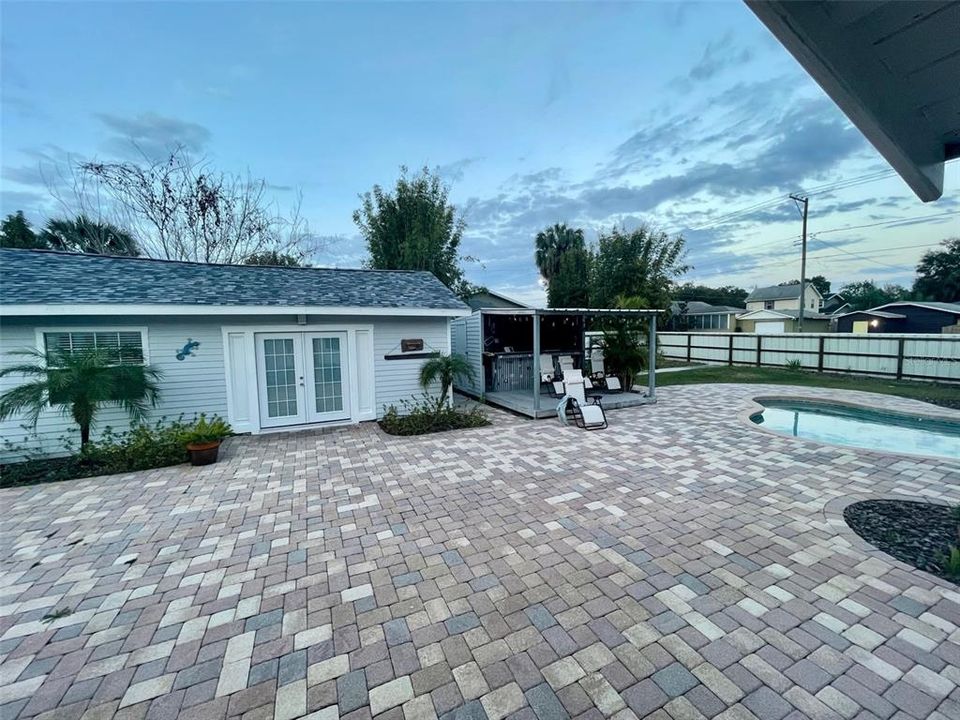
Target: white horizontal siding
398 380
188 387
198 383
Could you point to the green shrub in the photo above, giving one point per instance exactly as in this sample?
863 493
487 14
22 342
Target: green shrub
950 562
203 431
143 447
421 416
794 365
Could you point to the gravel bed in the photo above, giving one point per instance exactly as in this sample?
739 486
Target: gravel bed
917 533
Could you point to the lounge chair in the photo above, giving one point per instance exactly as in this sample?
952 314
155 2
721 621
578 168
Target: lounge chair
598 373
548 372
596 364
566 365
612 383
589 416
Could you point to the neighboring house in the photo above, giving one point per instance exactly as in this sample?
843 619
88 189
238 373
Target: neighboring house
903 317
489 299
834 304
784 297
769 322
264 347
696 315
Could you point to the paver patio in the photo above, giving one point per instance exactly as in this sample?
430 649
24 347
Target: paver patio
680 564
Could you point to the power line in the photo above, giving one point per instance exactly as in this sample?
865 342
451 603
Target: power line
814 235
836 255
816 190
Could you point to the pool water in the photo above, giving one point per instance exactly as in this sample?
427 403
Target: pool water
861 427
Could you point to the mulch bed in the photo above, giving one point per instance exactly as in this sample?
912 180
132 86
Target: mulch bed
917 533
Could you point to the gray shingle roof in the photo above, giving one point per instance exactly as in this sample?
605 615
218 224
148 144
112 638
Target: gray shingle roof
43 277
775 292
945 306
695 307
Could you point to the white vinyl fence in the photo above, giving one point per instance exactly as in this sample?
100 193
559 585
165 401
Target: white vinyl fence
914 357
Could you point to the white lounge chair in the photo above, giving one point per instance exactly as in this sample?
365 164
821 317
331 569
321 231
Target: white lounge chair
547 370
589 416
566 365
596 364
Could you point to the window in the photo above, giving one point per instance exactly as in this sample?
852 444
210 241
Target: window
768 304
121 347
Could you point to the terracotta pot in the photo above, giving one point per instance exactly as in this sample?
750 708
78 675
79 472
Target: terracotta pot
204 453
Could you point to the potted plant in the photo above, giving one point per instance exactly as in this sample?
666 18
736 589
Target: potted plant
204 438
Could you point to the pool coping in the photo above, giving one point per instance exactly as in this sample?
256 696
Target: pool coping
832 513
755 406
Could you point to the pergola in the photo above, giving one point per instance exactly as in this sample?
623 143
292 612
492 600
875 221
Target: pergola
510 342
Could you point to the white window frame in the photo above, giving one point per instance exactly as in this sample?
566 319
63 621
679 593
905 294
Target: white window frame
142 329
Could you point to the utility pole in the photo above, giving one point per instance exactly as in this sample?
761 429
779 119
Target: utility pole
803 257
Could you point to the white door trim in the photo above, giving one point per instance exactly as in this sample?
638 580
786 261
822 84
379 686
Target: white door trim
242 385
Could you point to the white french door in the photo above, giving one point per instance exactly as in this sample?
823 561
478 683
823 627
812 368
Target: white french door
302 377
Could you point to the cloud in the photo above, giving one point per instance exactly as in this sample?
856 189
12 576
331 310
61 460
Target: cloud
779 143
719 55
30 202
454 171
153 135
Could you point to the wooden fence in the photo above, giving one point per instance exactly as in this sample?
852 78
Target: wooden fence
916 357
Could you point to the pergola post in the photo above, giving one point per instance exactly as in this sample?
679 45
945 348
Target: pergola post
535 365
652 358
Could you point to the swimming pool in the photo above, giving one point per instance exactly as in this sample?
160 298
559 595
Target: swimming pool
860 427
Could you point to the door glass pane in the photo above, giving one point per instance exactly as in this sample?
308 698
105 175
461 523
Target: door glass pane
281 377
326 372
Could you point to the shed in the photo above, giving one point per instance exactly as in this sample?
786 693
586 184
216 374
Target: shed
267 348
911 317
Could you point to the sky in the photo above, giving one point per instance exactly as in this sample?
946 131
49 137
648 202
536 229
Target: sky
678 115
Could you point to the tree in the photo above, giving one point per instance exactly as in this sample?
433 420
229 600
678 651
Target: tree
640 264
415 227
446 369
821 284
570 285
83 235
550 245
15 232
274 258
938 273
818 281
866 294
79 384
183 209
563 261
725 295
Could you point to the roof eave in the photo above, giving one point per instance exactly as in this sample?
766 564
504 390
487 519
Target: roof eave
918 162
101 309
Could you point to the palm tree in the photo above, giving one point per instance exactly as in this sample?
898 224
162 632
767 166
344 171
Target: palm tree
79 384
83 235
446 369
551 244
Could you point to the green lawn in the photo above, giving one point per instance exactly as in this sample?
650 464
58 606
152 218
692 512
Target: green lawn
940 394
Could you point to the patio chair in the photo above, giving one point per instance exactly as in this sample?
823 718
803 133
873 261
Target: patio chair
596 364
612 383
566 364
548 372
598 373
589 416
589 388
556 389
